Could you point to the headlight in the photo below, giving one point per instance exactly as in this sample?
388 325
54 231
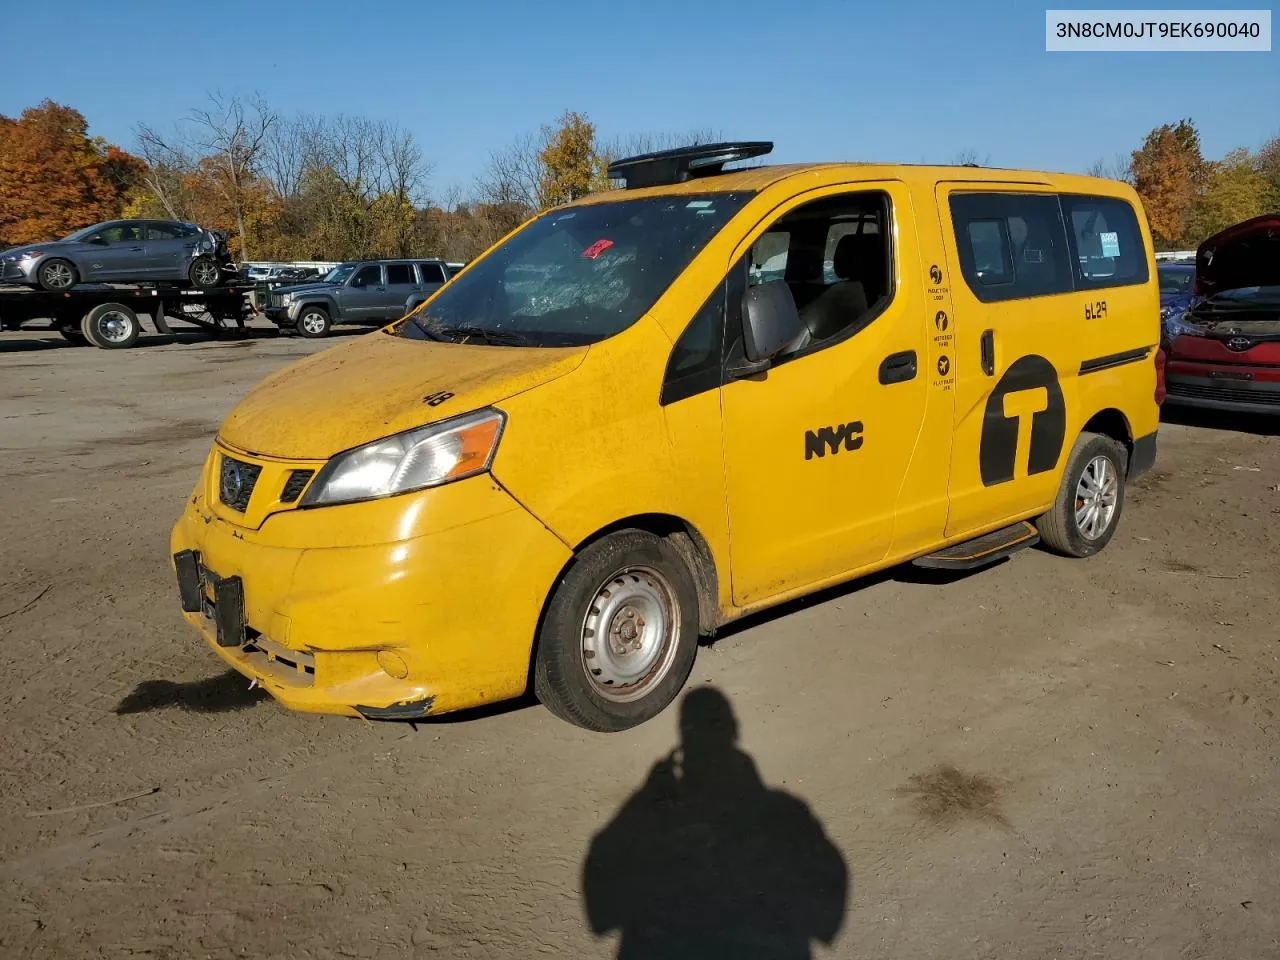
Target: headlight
28 255
286 299
424 457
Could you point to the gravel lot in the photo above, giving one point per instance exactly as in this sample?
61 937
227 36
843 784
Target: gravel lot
1048 758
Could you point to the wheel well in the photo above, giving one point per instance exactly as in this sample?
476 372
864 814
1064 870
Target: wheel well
692 547
322 304
1111 423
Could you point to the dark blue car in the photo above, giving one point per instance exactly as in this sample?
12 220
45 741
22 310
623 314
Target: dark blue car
1177 296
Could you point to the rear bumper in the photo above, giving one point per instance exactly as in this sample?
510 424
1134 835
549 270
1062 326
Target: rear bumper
1217 393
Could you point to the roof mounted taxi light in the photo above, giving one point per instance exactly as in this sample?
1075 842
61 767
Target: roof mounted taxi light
683 163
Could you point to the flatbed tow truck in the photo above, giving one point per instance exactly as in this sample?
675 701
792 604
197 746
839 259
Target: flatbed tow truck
106 315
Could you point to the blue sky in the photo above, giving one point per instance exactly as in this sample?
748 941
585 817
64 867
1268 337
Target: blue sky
825 80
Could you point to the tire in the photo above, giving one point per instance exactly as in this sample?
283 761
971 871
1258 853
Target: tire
1069 528
627 579
204 273
112 326
73 336
314 322
56 274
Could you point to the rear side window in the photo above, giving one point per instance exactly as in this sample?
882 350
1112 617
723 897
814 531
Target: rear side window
399 273
1107 248
431 272
1011 245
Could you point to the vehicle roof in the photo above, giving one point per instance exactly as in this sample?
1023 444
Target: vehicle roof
755 179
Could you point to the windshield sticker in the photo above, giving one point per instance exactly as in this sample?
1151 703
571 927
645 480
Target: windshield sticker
597 248
1110 244
697 204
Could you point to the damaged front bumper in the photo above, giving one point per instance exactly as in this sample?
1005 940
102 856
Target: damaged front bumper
438 616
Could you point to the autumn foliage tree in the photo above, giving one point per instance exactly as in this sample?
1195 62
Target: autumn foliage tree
1169 173
54 178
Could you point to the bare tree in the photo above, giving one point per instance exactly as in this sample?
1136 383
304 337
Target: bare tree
232 134
166 163
970 158
227 138
289 151
1120 167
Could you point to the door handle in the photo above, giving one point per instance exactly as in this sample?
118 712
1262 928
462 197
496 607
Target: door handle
898 367
135 249
989 353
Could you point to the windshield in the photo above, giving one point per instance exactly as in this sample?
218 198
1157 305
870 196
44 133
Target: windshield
1176 281
579 275
340 273
82 232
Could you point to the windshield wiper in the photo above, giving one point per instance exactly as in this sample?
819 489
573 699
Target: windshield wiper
495 338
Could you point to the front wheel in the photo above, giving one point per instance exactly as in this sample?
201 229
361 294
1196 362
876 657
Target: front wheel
56 274
620 633
314 322
1087 509
204 273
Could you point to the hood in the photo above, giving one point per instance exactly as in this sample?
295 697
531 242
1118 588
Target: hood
375 386
308 286
1245 255
42 247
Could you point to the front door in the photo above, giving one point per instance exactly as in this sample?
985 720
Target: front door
818 447
365 294
1015 387
118 252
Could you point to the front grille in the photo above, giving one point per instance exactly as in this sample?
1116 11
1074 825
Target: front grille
293 487
236 481
275 300
1234 395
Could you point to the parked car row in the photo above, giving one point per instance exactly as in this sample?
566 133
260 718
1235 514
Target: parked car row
122 250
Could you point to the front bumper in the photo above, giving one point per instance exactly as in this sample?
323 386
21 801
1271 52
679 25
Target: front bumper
1219 393
441 618
285 316
17 271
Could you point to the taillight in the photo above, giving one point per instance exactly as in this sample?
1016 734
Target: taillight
1161 392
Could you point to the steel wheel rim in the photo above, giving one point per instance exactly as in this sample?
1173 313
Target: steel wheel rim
57 275
206 274
1097 494
312 323
629 634
115 327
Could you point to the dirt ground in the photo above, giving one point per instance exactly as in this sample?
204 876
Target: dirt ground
1045 759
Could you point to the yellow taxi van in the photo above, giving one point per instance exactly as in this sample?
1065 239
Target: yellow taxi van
659 408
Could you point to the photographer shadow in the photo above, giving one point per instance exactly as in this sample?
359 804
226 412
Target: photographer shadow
704 860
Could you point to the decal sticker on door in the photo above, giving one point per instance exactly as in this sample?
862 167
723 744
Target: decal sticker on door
1029 390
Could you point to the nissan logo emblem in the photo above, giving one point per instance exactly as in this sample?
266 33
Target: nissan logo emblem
232 481
1239 343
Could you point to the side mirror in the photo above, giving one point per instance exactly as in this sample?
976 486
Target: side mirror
357 282
99 241
770 322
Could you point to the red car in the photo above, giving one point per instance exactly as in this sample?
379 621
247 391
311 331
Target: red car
1224 352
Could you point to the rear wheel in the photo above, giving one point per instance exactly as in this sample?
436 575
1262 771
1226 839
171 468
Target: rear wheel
1087 510
111 326
314 322
56 274
204 273
620 633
